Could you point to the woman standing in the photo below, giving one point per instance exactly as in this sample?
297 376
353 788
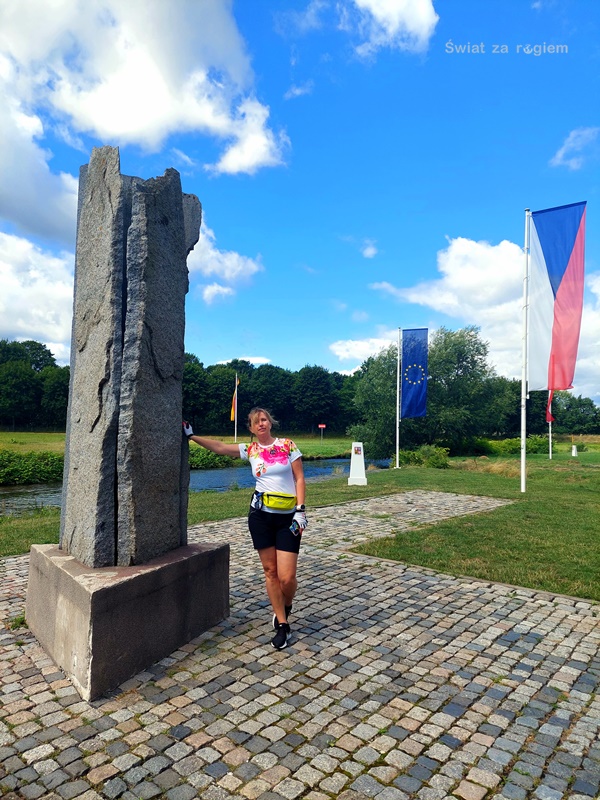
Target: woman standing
277 516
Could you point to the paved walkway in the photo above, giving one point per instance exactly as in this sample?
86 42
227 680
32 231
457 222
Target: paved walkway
400 683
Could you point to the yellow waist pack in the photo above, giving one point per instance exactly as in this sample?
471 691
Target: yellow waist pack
275 500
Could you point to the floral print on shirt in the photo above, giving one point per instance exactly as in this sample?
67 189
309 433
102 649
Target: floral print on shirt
275 454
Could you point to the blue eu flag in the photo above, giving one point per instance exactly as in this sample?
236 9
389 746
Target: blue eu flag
414 373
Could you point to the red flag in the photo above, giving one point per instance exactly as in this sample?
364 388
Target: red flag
549 417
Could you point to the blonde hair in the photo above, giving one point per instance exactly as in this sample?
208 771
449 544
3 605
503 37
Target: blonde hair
254 413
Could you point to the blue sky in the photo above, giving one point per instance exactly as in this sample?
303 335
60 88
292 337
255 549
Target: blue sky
363 165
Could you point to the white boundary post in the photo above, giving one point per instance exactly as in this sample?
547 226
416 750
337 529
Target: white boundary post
358 476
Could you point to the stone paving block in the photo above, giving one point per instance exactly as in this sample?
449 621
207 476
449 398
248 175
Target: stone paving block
391 793
470 791
181 793
513 792
32 791
545 793
290 788
366 785
76 768
68 791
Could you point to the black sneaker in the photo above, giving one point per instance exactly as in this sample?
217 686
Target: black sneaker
288 611
282 637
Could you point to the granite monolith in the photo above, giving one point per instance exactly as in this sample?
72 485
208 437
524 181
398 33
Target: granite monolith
124 589
125 465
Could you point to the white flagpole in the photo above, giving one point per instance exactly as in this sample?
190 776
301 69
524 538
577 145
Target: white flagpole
235 405
549 428
524 365
398 402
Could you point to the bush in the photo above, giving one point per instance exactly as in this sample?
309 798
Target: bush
426 456
200 458
22 468
17 469
511 447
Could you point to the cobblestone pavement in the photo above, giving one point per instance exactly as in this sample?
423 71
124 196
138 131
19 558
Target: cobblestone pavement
399 683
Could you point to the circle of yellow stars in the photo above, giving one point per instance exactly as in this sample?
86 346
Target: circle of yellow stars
421 373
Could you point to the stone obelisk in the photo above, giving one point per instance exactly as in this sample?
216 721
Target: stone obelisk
123 569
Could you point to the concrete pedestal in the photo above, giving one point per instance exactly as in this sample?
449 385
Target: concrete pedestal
106 624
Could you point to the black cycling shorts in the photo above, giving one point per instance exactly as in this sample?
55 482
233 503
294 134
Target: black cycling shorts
273 530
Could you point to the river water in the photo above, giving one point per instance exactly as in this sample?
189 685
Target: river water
16 499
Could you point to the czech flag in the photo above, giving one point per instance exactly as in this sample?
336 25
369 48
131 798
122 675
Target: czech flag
413 401
557 243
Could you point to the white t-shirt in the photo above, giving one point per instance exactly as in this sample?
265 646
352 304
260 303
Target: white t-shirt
272 465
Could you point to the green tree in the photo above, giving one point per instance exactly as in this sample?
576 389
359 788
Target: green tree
460 394
190 358
271 387
503 417
196 398
220 388
20 391
375 403
243 368
462 397
575 414
345 386
55 396
39 355
13 351
315 398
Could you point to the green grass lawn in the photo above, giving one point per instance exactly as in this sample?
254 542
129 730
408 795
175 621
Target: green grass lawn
547 539
311 446
32 442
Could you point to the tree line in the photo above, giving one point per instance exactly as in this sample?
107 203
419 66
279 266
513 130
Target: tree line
34 390
465 398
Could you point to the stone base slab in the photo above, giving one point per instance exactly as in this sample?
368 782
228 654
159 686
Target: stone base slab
101 626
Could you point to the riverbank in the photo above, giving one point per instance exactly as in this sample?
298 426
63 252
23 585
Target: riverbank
16 500
546 539
31 458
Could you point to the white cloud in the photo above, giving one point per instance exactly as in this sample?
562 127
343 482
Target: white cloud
226 265
136 72
301 22
32 198
571 154
588 355
255 145
361 349
297 91
36 301
359 316
368 248
339 305
402 24
215 291
256 360
183 158
475 276
482 284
